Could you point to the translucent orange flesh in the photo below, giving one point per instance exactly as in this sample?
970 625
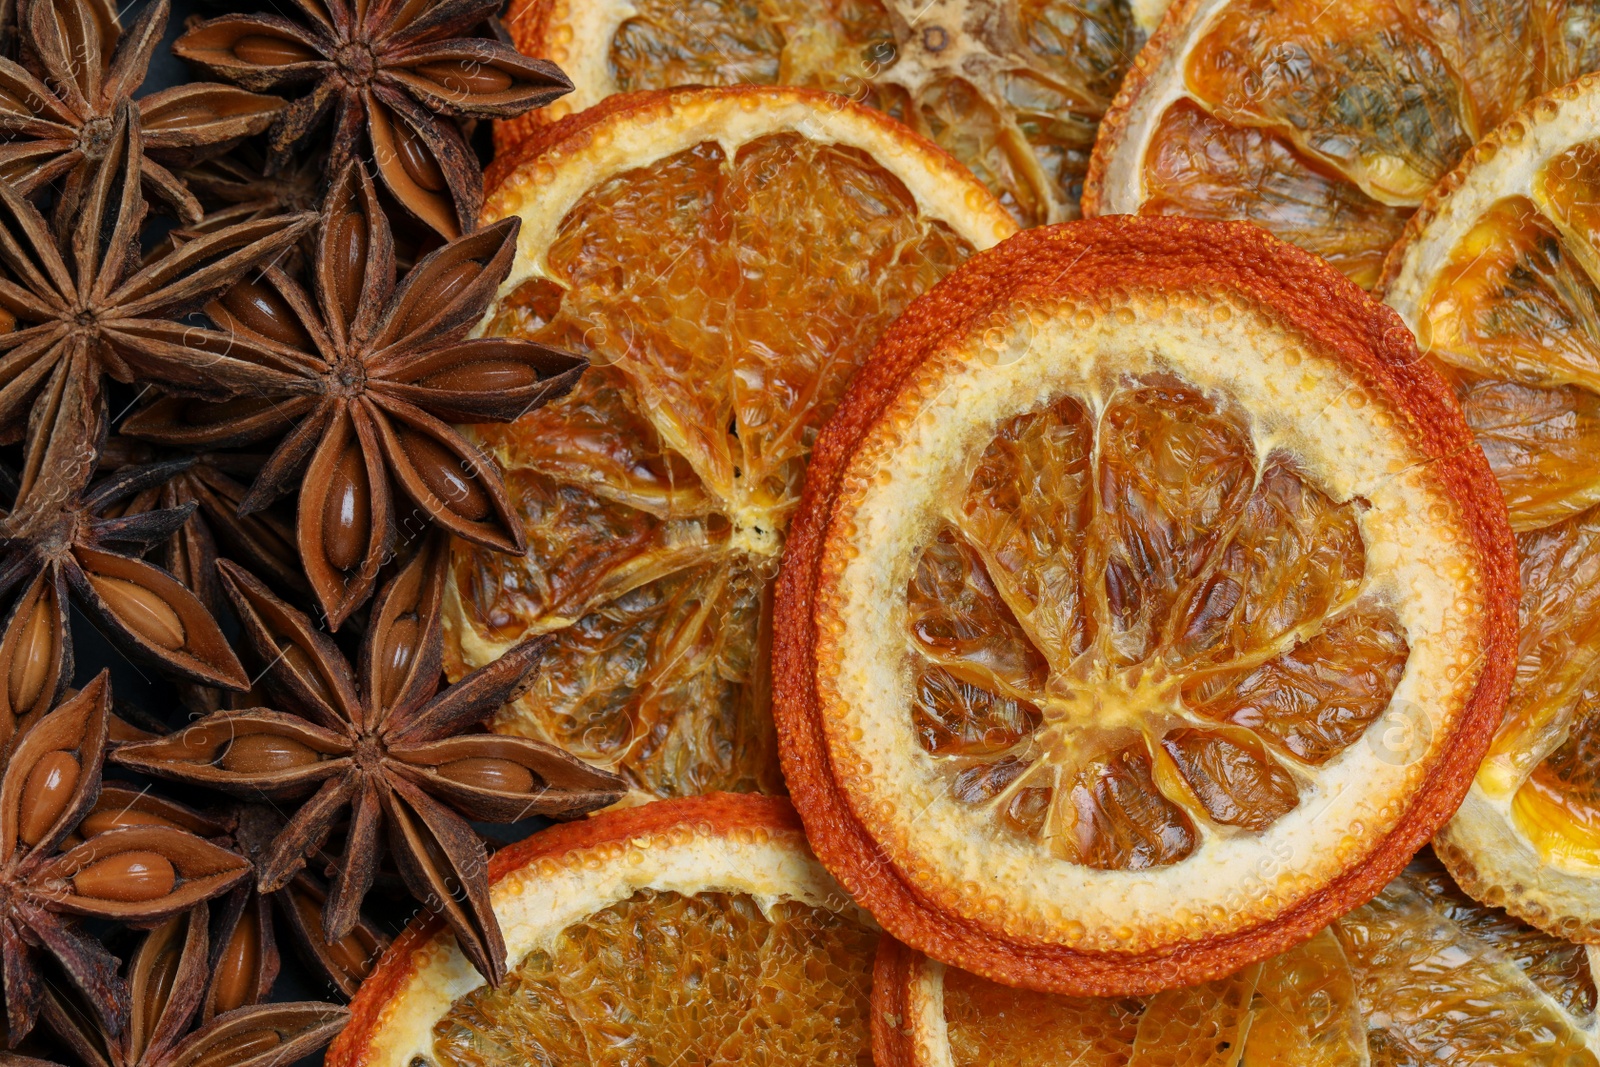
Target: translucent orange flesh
1327 125
1422 975
1013 89
993 1024
724 304
1200 166
1513 317
663 978
1127 632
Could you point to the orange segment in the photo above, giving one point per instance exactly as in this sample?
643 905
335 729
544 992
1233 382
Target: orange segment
995 1024
1199 165
1558 807
1352 85
1567 190
1197 1026
724 293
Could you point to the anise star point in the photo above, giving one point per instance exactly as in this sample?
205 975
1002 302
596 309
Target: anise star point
383 745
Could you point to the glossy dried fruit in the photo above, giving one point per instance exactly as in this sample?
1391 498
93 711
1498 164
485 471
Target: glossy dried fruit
59 107
1326 126
400 74
655 496
1499 273
367 743
1421 974
350 375
1102 485
1014 89
775 970
42 889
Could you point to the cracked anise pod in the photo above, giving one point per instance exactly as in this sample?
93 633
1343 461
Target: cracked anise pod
367 374
384 745
166 978
402 72
59 106
72 551
85 308
133 873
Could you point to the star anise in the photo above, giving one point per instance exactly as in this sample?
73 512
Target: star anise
384 744
59 106
239 181
56 550
370 374
138 874
403 72
85 307
166 977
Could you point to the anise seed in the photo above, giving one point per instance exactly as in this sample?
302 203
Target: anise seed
31 661
267 753
306 667
402 640
487 376
417 160
142 610
238 1048
236 970
162 974
266 51
46 793
263 310
347 511
127 877
441 472
489 772
467 79
98 822
350 239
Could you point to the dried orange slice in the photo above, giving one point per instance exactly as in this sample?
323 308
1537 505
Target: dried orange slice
725 258
1422 974
1325 124
1147 608
691 931
1499 273
1012 88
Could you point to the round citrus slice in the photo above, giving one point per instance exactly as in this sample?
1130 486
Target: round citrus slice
1422 974
1499 273
1147 608
725 258
691 931
1012 88
1326 125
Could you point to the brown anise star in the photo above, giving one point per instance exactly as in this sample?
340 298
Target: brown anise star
367 375
85 307
139 874
167 975
384 745
403 71
50 552
58 107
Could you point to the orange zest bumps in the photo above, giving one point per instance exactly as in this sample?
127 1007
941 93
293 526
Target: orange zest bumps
1147 607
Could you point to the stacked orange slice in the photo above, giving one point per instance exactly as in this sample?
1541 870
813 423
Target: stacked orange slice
1499 273
1148 607
725 258
1422 974
1325 124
